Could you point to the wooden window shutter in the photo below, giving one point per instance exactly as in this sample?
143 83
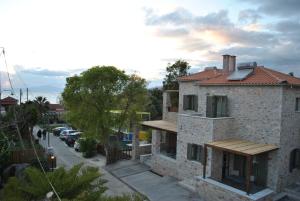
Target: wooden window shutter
189 151
292 160
185 102
199 154
224 106
209 106
196 103
297 158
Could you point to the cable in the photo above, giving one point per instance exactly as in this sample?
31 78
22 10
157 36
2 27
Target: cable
8 75
20 136
48 180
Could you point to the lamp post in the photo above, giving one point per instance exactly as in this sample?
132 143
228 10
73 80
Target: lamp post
52 162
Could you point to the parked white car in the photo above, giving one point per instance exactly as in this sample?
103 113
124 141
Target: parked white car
77 144
63 135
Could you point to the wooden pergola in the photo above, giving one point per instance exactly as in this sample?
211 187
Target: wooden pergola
161 125
239 147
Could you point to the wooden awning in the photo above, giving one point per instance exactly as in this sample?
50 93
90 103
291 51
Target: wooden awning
242 147
161 125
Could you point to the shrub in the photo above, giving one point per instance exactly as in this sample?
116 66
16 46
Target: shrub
88 147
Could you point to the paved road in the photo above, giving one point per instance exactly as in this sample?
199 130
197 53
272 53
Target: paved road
155 187
68 157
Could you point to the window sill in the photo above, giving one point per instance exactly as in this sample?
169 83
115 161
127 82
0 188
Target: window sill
194 162
167 157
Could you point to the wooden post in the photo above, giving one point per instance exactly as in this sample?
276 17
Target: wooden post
248 174
204 162
135 143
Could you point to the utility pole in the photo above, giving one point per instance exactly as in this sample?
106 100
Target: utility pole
27 94
21 93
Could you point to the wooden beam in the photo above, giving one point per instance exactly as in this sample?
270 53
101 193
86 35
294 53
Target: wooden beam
204 162
248 174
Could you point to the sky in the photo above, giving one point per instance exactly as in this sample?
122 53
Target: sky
46 41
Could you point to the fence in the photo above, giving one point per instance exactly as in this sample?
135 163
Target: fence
118 153
25 156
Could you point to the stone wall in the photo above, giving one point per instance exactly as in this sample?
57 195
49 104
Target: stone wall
210 190
262 114
168 116
198 130
159 163
257 117
290 136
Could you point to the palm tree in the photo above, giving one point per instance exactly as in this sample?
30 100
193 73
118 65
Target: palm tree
42 104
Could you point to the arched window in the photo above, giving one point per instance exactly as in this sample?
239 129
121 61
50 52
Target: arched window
295 159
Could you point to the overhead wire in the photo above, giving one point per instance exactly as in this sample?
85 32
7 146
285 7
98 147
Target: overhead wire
32 143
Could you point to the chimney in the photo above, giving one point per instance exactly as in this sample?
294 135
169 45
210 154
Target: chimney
232 63
226 62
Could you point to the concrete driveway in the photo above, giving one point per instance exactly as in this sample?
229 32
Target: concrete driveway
155 187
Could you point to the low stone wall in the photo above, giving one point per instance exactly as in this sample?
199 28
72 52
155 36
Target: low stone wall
211 190
164 165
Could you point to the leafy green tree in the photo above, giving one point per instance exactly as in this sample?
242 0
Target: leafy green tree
132 99
155 103
77 184
91 96
178 69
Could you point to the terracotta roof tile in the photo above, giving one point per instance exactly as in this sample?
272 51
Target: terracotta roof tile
9 101
260 76
204 75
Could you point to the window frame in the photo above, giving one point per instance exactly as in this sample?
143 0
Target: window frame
217 106
190 102
194 152
297 104
294 159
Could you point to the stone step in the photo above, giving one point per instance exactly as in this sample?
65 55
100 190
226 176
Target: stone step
188 184
279 196
148 162
293 191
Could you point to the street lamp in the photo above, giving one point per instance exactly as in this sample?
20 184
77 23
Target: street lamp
52 162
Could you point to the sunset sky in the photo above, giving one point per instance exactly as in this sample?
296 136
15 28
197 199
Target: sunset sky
46 41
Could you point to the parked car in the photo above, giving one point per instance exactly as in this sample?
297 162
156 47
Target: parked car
63 135
77 144
70 139
56 131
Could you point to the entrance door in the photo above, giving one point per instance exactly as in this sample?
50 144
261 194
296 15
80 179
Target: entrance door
225 165
260 170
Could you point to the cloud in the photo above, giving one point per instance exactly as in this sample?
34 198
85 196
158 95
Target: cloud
172 32
194 44
275 44
282 8
213 20
249 16
178 17
218 24
288 26
44 72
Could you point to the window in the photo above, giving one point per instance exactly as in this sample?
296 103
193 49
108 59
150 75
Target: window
168 143
216 106
190 102
297 108
194 152
295 159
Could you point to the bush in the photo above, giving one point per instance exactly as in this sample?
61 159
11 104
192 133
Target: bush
35 163
88 147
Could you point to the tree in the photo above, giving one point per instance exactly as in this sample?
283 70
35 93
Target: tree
132 99
155 103
178 69
77 184
42 104
91 96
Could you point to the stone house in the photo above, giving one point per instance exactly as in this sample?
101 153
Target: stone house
232 134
